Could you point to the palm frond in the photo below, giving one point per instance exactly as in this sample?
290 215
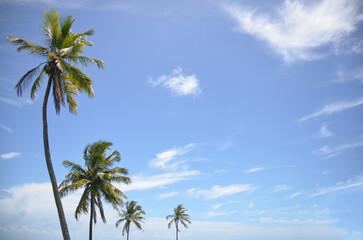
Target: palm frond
100 207
66 26
36 84
24 81
171 222
73 166
28 46
85 61
83 204
71 91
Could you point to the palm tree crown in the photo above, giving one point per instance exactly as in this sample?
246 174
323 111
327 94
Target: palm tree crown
96 179
61 56
180 215
132 214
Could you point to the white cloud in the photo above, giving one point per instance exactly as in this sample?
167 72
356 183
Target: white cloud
300 28
179 83
253 170
218 191
339 186
347 76
280 188
294 195
9 101
334 108
217 206
251 205
29 210
167 195
214 214
297 221
163 159
328 152
149 182
324 132
224 146
6 128
10 155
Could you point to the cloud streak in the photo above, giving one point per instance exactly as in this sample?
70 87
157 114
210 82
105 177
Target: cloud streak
6 128
217 191
150 182
299 29
10 155
328 152
350 183
253 170
333 108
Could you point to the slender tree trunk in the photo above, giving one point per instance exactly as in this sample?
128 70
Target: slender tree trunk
128 232
176 226
91 219
57 199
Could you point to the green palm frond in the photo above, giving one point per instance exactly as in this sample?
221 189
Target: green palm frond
28 46
66 26
83 204
24 81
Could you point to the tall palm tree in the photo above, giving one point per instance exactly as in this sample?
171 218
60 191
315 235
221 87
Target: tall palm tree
96 179
180 215
131 215
61 56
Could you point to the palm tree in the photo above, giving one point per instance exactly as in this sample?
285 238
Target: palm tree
132 214
61 56
96 178
180 215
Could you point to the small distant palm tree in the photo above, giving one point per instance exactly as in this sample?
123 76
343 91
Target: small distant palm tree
96 179
59 70
180 215
131 215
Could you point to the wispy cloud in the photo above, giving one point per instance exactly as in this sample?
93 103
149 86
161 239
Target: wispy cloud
179 83
256 169
10 155
333 108
294 195
6 128
161 180
224 146
163 160
167 195
9 101
217 206
300 29
280 188
297 221
217 191
328 152
350 183
324 132
214 213
73 4
348 76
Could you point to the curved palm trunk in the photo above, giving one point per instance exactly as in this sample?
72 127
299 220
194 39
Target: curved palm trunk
91 219
58 202
128 232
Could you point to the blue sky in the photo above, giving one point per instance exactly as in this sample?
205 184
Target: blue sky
246 112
